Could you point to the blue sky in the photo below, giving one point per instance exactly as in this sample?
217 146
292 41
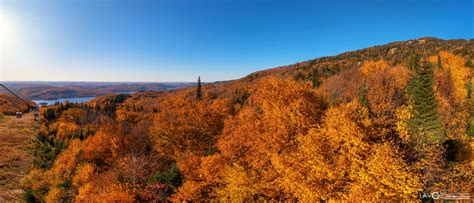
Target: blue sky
177 40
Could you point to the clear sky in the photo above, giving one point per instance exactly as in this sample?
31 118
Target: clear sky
177 40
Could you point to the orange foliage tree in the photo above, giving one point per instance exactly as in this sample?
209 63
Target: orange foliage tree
335 161
267 125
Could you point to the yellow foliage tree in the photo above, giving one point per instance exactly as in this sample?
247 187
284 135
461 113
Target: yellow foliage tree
403 115
373 67
56 195
450 86
274 114
335 162
84 174
458 73
67 130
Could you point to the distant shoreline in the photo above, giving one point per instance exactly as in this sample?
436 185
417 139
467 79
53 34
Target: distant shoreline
64 90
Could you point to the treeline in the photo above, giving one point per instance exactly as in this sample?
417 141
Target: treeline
376 131
395 53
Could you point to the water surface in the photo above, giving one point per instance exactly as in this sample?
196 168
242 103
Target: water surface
72 100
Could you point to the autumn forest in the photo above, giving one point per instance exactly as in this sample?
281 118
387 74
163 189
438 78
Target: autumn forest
384 123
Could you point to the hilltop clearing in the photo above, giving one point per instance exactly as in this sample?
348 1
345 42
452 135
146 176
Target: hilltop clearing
16 135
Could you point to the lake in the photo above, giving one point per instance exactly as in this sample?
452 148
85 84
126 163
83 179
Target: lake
72 100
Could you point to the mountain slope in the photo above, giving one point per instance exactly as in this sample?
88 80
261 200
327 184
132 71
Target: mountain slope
316 130
10 104
394 53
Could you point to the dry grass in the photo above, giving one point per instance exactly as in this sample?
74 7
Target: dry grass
15 141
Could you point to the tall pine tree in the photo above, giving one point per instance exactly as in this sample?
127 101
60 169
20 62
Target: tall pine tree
440 63
362 96
425 123
199 90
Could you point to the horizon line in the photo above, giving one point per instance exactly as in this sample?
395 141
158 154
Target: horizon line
79 81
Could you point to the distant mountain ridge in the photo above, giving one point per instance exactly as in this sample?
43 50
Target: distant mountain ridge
316 70
57 90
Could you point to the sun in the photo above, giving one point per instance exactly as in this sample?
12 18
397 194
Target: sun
8 30
4 24
8 39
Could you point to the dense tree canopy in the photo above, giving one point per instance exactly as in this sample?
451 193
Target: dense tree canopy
381 130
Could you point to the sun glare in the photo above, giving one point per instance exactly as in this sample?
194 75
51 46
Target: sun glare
8 33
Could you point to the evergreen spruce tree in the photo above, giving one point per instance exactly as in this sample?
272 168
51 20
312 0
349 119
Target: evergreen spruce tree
440 64
469 63
97 107
362 96
49 114
109 109
81 135
315 80
425 123
199 90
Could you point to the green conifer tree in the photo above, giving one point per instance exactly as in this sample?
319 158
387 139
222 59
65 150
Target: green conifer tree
440 64
469 63
362 96
199 90
97 107
81 135
425 123
315 80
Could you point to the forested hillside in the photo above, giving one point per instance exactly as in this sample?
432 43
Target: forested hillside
60 90
380 124
10 104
